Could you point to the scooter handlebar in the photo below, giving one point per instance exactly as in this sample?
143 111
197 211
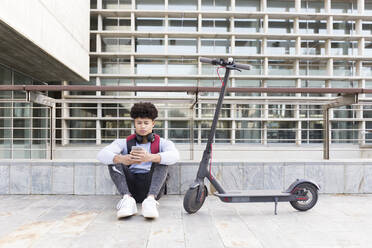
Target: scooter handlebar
243 66
218 62
208 60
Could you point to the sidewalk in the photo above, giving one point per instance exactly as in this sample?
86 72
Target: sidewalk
90 221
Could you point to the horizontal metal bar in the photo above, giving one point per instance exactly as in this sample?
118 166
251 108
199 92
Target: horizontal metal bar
179 89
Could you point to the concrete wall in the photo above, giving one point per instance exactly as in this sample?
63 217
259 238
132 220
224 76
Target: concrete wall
60 28
91 177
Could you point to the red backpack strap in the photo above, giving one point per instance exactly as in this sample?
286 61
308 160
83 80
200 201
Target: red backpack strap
155 145
131 141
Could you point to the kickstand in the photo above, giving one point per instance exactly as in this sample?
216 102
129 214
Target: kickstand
276 205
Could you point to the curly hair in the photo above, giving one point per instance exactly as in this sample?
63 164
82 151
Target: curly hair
144 110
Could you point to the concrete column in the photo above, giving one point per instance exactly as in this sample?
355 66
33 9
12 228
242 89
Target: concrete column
263 5
233 123
100 23
360 7
327 6
99 4
65 113
298 5
330 25
266 24
98 43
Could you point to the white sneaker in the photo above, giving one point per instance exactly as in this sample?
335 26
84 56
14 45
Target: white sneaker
150 208
126 207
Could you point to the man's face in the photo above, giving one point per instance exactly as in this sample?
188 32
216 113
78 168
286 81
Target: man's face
144 126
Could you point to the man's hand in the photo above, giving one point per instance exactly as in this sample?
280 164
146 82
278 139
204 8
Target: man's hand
124 159
140 156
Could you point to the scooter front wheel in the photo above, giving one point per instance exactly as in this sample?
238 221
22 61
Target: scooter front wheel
307 197
190 202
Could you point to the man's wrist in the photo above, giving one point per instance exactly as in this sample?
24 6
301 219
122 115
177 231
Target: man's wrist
155 158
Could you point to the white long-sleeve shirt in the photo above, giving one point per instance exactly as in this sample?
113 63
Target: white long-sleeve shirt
167 150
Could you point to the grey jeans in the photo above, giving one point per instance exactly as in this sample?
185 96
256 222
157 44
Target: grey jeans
139 185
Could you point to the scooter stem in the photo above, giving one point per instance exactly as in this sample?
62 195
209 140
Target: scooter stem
203 172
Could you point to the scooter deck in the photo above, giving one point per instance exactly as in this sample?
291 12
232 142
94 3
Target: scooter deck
256 196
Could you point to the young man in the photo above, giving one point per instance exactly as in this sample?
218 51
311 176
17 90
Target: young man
138 165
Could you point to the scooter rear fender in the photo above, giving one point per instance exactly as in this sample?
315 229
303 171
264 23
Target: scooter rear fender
300 181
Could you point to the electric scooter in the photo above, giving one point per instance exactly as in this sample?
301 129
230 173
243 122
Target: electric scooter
301 194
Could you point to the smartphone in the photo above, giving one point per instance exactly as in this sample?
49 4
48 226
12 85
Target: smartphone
136 148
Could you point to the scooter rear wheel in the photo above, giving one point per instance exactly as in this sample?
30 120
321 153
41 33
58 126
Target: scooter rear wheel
305 190
190 202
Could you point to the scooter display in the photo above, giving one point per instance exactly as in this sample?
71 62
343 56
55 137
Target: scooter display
301 194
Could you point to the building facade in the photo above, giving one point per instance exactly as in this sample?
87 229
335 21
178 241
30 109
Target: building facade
42 41
290 43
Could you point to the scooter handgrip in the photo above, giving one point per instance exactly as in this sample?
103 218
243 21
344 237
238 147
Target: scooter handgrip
243 66
207 60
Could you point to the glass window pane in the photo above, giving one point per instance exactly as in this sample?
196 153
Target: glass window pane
183 24
147 66
248 25
215 46
312 132
248 132
149 24
313 27
280 26
280 6
5 79
247 46
215 5
150 4
181 4
281 47
244 5
281 132
182 46
312 6
150 45
182 67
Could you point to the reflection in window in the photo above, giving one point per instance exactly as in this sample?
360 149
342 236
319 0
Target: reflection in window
215 46
149 45
148 66
313 27
344 132
280 26
313 47
244 5
116 4
149 24
281 67
182 67
312 6
312 132
215 25
182 4
344 6
281 47
344 48
344 68
112 23
281 131
248 25
311 111
183 24
116 45
182 45
150 4
280 6
116 66
249 47
248 132
215 5
343 27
